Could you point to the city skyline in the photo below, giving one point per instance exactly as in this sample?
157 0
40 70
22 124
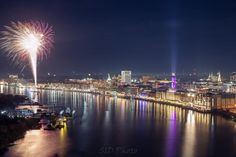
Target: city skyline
145 37
117 78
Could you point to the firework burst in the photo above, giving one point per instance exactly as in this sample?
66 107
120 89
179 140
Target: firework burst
28 41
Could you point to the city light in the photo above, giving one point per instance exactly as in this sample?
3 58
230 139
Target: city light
27 41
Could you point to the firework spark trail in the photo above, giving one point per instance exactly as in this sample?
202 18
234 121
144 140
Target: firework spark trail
27 41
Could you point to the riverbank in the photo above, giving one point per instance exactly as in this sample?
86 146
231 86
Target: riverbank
13 129
200 109
169 103
184 105
226 114
223 113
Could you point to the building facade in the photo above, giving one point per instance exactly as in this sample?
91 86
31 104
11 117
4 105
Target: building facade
126 77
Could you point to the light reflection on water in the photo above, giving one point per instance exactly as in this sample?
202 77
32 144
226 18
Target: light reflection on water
40 143
189 136
153 129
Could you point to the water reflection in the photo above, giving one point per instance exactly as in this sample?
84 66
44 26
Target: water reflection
1 88
171 136
189 136
153 129
39 143
63 140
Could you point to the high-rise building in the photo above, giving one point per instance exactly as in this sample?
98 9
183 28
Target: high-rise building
173 81
126 77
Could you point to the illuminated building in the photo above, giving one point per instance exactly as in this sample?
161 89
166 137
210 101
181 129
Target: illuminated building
13 76
219 77
147 78
200 100
173 81
215 78
13 79
126 77
108 78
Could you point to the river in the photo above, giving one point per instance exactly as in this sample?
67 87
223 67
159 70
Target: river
109 126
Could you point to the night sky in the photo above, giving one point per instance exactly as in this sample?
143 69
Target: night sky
106 36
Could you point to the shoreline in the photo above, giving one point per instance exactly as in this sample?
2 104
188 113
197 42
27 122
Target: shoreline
226 114
12 130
